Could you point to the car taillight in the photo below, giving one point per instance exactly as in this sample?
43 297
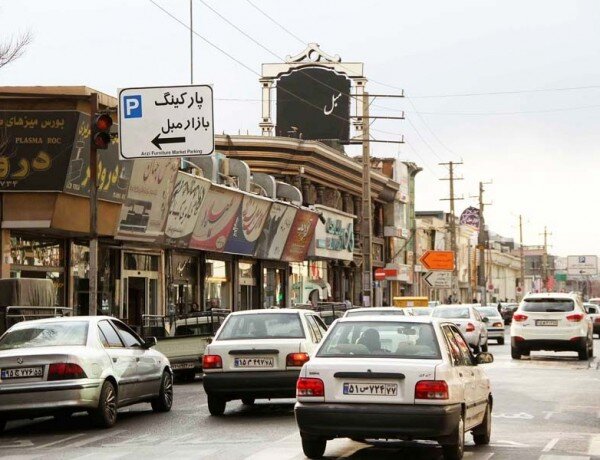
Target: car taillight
597 320
498 325
516 338
310 387
575 318
470 327
431 389
518 317
65 371
296 359
212 362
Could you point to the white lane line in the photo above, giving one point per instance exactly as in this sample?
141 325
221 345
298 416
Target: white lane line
83 442
550 445
594 447
563 457
68 438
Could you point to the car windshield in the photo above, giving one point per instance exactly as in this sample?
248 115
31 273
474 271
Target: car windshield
262 326
488 311
375 312
422 311
451 312
382 339
49 334
548 305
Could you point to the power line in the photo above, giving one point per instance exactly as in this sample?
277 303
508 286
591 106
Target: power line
563 109
277 23
499 93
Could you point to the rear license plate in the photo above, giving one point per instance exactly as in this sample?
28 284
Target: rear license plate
178 366
546 322
371 389
21 373
254 362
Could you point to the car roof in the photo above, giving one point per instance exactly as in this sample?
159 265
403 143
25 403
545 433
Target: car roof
62 319
388 319
553 295
263 311
376 309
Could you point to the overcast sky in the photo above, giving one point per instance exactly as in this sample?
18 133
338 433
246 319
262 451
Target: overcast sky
539 148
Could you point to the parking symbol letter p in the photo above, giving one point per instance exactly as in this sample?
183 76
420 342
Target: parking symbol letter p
133 106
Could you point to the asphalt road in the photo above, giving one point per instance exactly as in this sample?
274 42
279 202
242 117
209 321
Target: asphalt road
546 407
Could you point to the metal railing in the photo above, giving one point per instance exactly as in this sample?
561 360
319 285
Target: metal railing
14 313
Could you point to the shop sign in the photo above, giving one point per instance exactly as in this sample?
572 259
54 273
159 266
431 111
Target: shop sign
333 239
248 226
35 148
275 232
217 216
188 194
144 212
300 236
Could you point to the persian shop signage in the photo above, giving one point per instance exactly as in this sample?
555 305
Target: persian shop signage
334 239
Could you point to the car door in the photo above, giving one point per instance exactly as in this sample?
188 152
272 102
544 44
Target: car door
123 362
148 372
480 325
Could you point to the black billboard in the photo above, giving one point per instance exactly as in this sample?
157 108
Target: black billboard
313 103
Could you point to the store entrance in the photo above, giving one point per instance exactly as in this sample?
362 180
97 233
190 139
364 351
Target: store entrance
136 299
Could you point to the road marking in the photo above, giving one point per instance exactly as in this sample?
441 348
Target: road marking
111 433
548 414
563 457
520 415
274 453
550 445
594 448
68 438
503 443
16 443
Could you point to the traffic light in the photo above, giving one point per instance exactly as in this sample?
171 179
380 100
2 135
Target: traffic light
101 130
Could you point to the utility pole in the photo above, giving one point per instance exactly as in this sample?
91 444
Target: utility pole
545 259
367 228
481 244
93 271
521 254
453 243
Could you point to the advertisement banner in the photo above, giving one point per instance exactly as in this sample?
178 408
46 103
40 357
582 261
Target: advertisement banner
35 149
248 226
217 216
188 194
333 239
470 216
145 210
275 232
300 237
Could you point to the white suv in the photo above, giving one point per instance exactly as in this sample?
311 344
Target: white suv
258 354
551 321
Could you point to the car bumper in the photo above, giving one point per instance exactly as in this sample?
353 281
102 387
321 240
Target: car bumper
377 420
596 328
186 364
495 333
40 398
237 385
550 344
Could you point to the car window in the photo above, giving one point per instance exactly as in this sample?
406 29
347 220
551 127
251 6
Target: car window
452 346
389 339
451 312
111 336
130 338
51 334
314 328
375 312
490 312
548 305
321 324
465 351
262 326
103 339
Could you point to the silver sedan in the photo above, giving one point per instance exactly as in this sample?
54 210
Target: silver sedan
64 365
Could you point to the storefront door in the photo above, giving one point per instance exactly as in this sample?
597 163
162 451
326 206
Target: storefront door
140 287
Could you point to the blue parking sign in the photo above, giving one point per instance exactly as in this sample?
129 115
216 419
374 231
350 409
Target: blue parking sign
132 106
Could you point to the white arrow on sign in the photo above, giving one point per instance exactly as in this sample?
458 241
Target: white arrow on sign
438 279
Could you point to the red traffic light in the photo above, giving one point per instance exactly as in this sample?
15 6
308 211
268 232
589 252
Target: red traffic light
101 130
103 122
101 140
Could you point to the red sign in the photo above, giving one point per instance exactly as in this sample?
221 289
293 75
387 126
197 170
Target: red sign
438 260
383 273
300 237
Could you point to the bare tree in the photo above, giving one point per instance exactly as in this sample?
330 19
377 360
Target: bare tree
14 48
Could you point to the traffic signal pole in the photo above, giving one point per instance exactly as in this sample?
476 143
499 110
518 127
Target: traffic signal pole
367 229
93 271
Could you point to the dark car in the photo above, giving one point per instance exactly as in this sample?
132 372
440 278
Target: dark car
507 310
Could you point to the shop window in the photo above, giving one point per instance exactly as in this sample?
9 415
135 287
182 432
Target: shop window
247 282
183 286
217 284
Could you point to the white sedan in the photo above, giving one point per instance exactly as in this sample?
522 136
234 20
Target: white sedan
469 321
64 365
394 378
376 311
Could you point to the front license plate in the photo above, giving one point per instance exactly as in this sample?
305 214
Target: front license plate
371 389
546 322
21 373
254 362
178 366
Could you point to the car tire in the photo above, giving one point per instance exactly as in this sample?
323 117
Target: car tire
2 425
515 353
591 348
483 433
216 405
455 448
105 415
314 447
584 353
164 401
501 341
477 348
248 401
484 347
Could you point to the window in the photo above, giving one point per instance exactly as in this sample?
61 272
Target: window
465 351
321 324
50 334
262 326
103 339
451 312
111 336
314 328
548 305
453 346
129 337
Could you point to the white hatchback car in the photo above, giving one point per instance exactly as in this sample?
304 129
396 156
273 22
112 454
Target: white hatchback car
551 321
469 321
259 354
388 377
376 311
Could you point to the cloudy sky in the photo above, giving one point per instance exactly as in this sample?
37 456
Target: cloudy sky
511 88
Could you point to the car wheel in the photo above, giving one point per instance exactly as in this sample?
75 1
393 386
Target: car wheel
164 401
216 405
484 347
591 353
105 415
483 433
515 353
501 341
2 425
477 348
313 447
248 401
584 353
455 449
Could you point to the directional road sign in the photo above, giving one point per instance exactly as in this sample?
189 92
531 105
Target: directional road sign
582 265
438 260
439 279
174 121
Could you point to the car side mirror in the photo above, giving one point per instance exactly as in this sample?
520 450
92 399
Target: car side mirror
149 342
484 358
485 319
